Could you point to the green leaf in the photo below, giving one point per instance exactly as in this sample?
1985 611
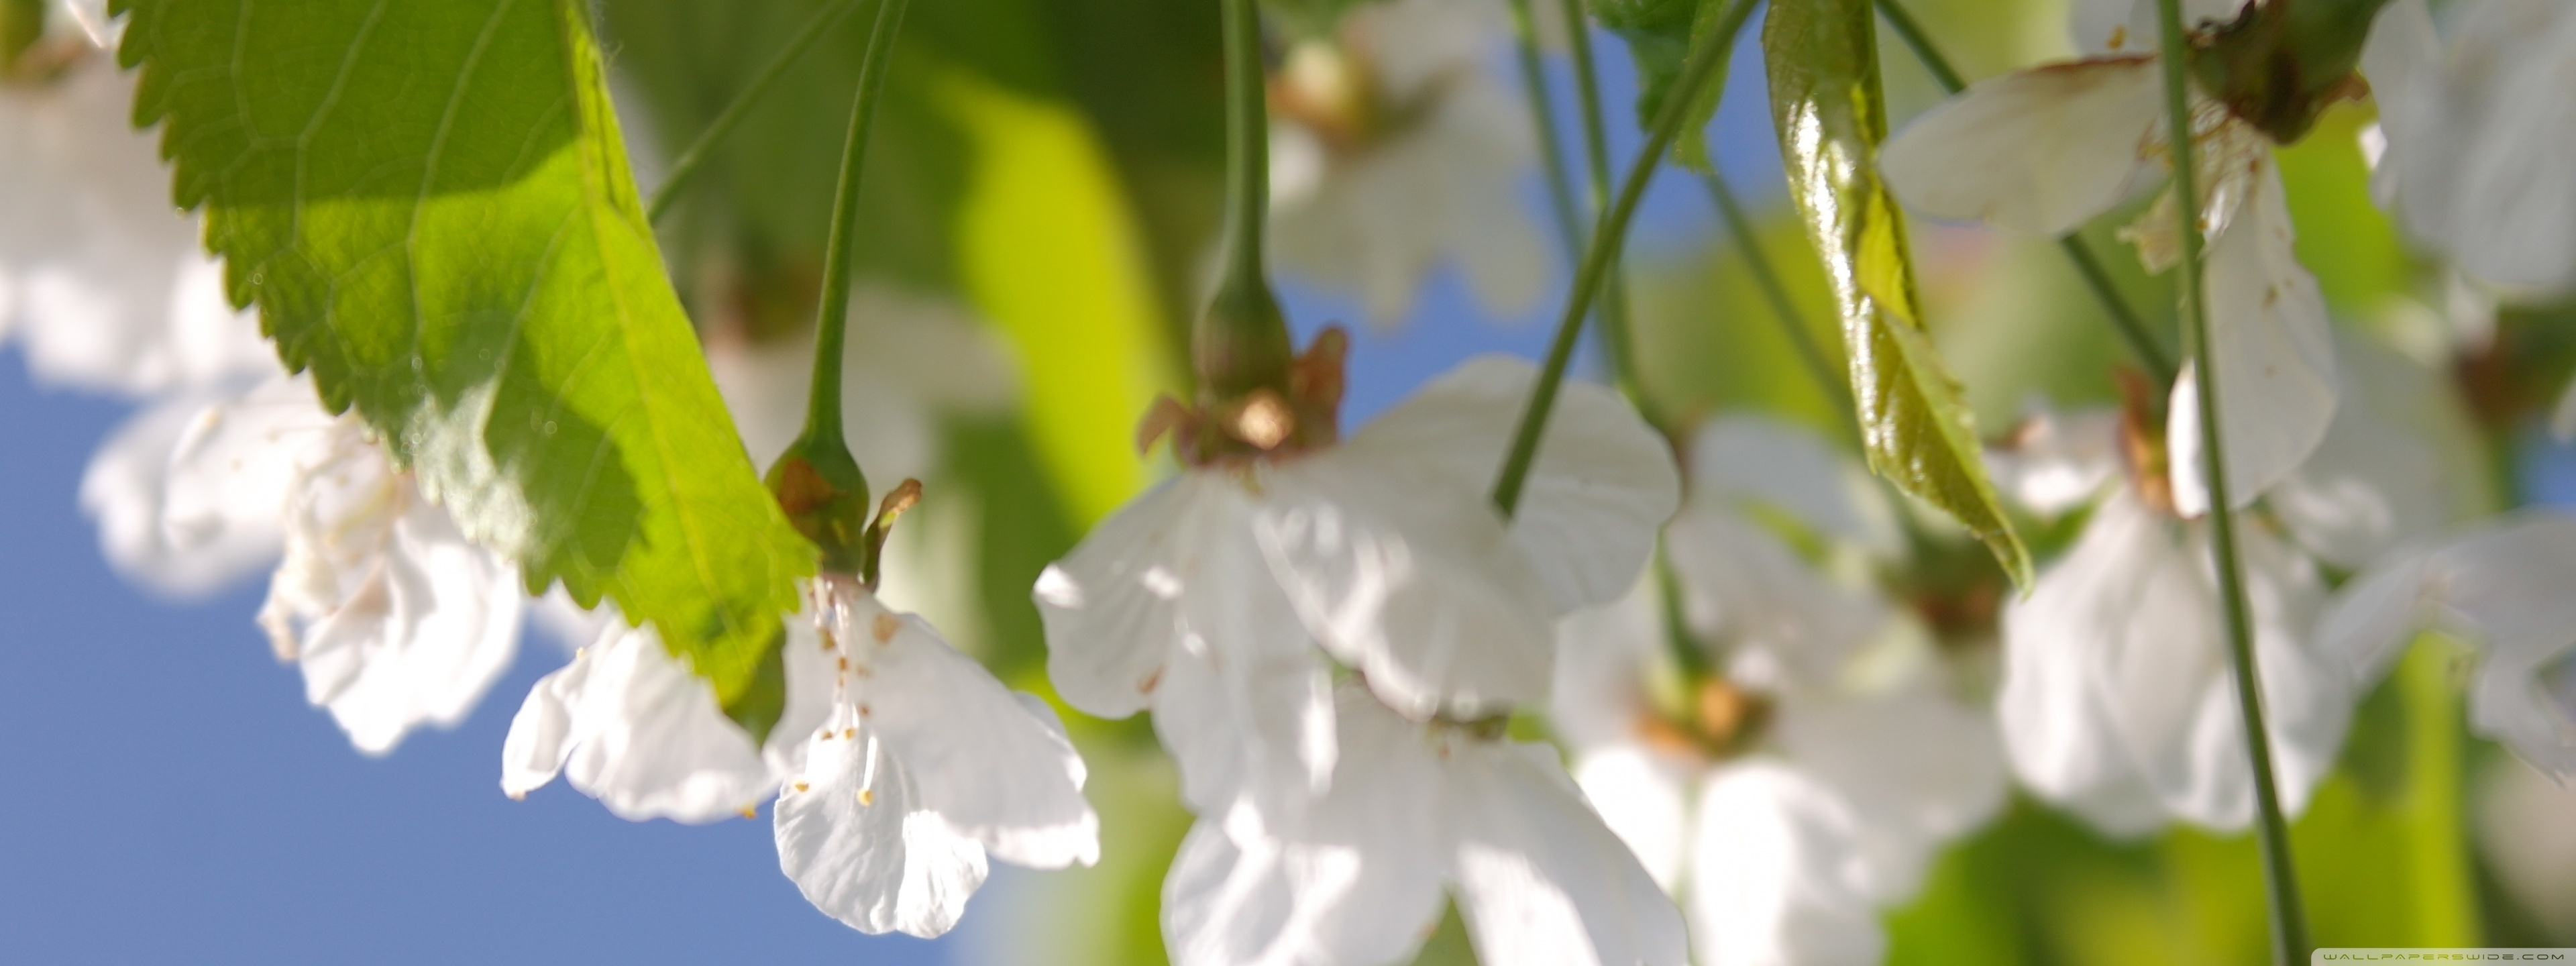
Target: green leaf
429 202
1831 114
1660 35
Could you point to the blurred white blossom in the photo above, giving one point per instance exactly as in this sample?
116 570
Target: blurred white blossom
2479 136
2044 150
396 619
1216 598
101 279
2118 700
1394 149
2501 587
1798 788
1358 877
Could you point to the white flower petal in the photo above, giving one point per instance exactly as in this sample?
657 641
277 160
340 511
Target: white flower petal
1353 879
1742 586
634 729
423 646
1412 581
1246 704
2274 353
1541 881
1603 658
1772 879
855 838
2372 482
1916 767
2117 675
990 766
2375 614
127 489
2502 586
1602 480
1112 607
2478 159
107 287
2038 151
2055 461
1643 798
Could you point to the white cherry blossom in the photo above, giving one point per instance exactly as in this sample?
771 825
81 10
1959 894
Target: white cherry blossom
102 282
2501 587
923 766
628 723
2118 699
2044 150
1415 809
396 619
1215 598
2478 135
1791 797
1394 149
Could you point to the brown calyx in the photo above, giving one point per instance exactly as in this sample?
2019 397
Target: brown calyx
1264 422
1722 721
2142 442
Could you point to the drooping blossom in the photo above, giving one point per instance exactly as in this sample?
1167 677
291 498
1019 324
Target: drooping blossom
1799 785
898 763
2476 136
1416 811
1224 599
2502 588
628 723
102 282
1216 598
1395 150
395 617
2044 150
2118 700
923 766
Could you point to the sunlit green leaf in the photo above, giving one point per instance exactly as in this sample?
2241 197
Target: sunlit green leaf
429 202
1825 101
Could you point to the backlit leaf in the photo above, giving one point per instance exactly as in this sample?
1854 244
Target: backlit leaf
1831 115
429 202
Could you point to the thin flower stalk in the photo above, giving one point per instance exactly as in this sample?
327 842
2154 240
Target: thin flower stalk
2289 919
1706 65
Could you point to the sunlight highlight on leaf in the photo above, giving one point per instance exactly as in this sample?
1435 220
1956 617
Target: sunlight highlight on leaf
1831 114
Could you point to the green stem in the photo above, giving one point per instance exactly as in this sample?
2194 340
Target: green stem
2289 919
2124 320
823 402
1619 336
1706 65
1240 345
1247 141
685 168
1551 152
2132 328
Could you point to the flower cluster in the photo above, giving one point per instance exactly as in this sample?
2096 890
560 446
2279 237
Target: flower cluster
1617 691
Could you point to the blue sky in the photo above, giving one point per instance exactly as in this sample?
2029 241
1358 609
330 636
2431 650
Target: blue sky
166 795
